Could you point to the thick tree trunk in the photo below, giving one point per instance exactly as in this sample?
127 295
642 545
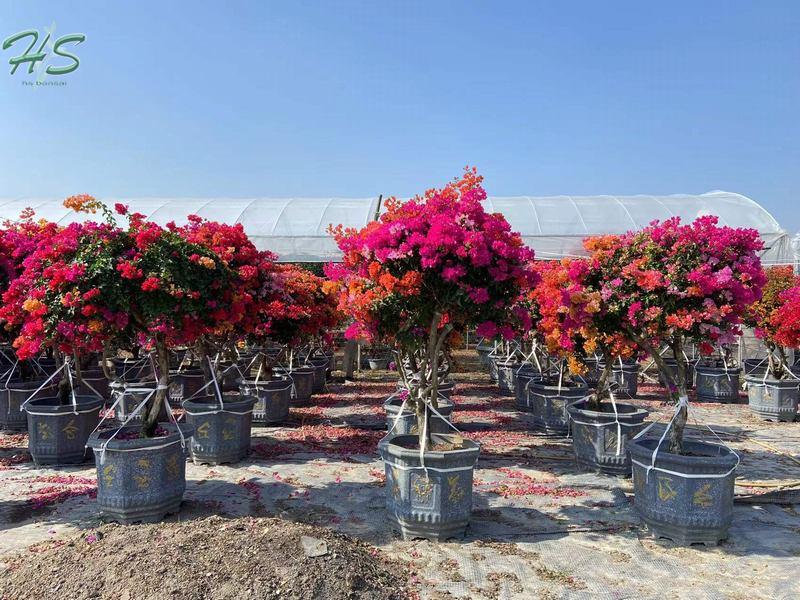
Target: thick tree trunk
157 400
603 384
676 385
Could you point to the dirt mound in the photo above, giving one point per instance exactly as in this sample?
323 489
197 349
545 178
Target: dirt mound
211 558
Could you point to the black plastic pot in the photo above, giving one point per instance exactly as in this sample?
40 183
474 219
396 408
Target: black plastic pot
772 399
57 433
13 394
142 479
272 398
221 433
548 403
686 498
406 422
599 438
436 504
717 384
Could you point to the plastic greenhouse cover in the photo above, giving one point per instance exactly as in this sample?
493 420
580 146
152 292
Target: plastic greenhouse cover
296 228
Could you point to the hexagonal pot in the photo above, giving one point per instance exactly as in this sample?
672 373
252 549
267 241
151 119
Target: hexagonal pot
505 375
672 365
320 366
186 383
272 398
483 353
716 384
221 433
131 394
141 479
57 433
445 388
302 379
436 505
772 399
406 423
522 376
548 403
600 444
627 379
687 510
13 394
754 366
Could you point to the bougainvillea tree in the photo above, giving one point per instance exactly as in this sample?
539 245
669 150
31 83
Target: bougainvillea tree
93 281
672 283
250 273
435 263
18 239
769 322
296 308
66 299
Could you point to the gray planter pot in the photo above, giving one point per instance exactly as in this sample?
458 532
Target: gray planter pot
406 423
771 399
522 377
592 377
493 367
94 383
132 397
687 510
445 389
184 384
302 379
435 505
13 395
673 367
56 434
600 444
627 379
755 366
548 403
221 434
320 366
272 398
140 479
378 364
130 369
483 353
715 384
505 376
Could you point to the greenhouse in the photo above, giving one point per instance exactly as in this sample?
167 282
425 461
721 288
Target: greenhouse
554 226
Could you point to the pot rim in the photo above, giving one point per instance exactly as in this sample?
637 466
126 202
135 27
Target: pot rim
395 403
718 457
628 414
263 382
389 443
241 402
97 438
83 401
769 381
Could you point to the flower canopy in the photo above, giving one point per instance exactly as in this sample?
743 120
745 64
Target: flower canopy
440 254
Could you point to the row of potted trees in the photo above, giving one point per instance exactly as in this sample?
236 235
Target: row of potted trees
439 263
180 300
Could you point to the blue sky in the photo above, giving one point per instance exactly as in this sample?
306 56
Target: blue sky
356 98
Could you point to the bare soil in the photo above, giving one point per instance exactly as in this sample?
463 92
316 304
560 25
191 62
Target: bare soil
212 558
